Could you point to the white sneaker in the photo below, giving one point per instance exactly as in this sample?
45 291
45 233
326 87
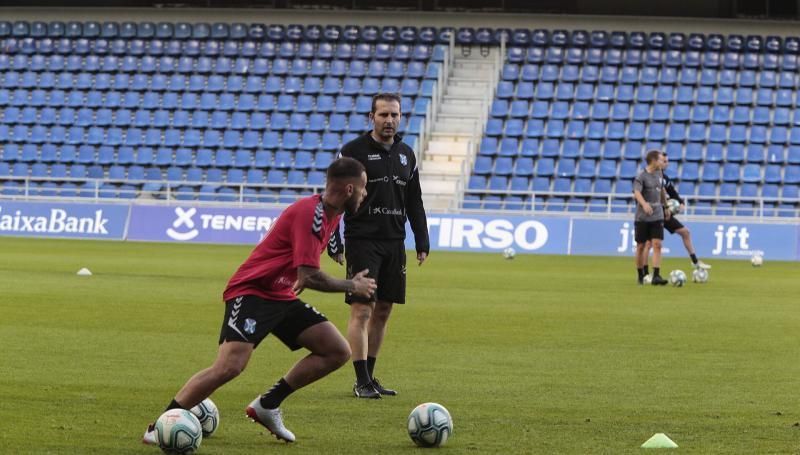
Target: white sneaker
149 437
270 419
701 265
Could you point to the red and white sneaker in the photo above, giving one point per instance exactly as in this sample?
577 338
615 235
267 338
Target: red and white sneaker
270 419
149 437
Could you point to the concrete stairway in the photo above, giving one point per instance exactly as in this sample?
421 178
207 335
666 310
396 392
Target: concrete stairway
458 124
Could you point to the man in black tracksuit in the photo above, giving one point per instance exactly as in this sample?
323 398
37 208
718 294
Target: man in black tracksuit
375 236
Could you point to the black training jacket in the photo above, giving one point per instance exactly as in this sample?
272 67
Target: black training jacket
393 194
669 187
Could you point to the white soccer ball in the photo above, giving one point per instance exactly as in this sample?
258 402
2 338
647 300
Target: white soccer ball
430 425
509 253
700 275
757 260
674 206
179 431
677 278
208 415
647 279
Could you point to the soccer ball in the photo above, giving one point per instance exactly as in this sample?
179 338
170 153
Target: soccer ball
208 415
430 425
179 431
674 206
647 279
509 253
700 275
677 278
757 260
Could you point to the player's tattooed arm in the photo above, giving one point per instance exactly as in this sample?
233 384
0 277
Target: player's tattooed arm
313 278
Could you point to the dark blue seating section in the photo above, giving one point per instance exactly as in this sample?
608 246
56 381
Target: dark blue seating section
206 107
576 112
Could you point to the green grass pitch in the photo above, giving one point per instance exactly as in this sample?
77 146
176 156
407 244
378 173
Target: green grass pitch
538 355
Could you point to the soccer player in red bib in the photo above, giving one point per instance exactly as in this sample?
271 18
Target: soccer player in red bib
261 298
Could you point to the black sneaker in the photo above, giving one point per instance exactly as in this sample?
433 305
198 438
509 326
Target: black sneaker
658 281
381 389
365 391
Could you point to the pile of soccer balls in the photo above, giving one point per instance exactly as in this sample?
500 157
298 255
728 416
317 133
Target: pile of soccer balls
678 278
179 431
182 431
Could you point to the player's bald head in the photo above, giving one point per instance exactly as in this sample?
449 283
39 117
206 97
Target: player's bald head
345 168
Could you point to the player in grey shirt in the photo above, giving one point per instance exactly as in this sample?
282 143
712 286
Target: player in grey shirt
649 222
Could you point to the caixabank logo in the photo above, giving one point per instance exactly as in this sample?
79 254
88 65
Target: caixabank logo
63 220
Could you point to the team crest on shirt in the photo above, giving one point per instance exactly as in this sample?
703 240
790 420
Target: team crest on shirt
403 160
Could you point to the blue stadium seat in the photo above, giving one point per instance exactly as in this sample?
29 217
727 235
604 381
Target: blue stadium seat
711 172
731 172
586 168
607 169
566 168
792 177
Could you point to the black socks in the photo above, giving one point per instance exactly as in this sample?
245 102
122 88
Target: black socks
275 396
174 405
362 372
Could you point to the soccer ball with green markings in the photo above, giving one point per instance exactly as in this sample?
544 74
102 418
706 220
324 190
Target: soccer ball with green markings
700 275
208 415
674 206
430 425
179 431
677 278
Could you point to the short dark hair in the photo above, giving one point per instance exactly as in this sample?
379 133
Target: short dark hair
652 155
385 97
345 168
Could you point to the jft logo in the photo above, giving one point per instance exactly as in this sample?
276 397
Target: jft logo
626 234
726 241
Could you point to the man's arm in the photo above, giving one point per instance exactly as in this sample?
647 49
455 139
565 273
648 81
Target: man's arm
415 210
671 191
640 199
313 278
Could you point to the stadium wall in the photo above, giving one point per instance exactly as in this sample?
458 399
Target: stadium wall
448 232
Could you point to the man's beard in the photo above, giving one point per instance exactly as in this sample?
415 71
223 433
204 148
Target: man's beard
350 207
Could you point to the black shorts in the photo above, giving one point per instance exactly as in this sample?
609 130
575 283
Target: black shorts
250 319
672 225
648 230
386 261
